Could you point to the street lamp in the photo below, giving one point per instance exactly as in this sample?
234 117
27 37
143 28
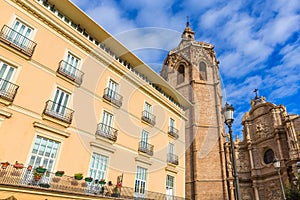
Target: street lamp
228 115
276 164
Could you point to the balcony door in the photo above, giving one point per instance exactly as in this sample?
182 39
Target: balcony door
107 120
172 125
60 102
171 149
112 89
144 139
147 109
140 182
170 188
20 34
71 64
6 73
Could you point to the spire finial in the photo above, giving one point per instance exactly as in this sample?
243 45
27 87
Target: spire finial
256 93
187 21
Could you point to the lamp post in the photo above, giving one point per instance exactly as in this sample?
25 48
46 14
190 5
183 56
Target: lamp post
228 114
276 164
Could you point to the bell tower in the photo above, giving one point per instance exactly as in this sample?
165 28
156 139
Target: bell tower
192 68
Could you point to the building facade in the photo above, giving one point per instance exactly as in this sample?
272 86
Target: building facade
192 68
73 99
269 133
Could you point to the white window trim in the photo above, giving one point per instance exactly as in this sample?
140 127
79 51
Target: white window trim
33 28
68 51
107 164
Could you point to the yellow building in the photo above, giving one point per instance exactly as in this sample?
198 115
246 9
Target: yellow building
73 99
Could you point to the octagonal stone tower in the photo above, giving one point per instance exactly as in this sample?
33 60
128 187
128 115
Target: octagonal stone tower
192 68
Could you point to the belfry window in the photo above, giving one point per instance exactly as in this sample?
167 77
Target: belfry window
202 69
180 74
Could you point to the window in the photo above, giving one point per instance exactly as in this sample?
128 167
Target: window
98 166
144 139
60 100
202 69
71 64
171 125
6 73
171 148
112 89
44 153
107 120
140 182
170 187
20 34
269 156
180 74
147 109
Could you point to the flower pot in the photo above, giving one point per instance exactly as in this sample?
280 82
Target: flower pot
18 166
56 179
29 168
75 183
44 185
4 165
78 176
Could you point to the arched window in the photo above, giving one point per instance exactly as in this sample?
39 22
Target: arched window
269 156
202 69
180 74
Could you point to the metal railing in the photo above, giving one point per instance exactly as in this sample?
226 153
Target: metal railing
58 111
108 132
172 158
8 90
148 117
146 148
113 97
17 40
70 72
173 132
30 178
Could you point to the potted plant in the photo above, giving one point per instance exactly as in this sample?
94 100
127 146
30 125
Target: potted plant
4 165
88 179
78 176
59 173
18 165
41 169
102 181
29 168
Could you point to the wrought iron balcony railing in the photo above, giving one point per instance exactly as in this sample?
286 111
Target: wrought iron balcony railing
107 132
70 72
27 178
58 111
112 97
17 40
173 132
8 90
148 117
146 148
172 158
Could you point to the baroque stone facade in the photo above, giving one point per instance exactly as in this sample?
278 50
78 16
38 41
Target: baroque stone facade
192 68
269 133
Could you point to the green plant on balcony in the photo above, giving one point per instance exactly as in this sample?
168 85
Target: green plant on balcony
41 169
78 176
59 173
88 179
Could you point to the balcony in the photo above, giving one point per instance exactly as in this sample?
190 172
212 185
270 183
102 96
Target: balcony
173 132
58 111
72 73
172 158
107 132
112 97
8 90
17 40
148 117
146 148
52 184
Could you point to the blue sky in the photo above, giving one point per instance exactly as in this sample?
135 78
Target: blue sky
257 42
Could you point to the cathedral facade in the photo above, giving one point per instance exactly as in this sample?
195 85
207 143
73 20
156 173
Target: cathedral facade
192 68
269 133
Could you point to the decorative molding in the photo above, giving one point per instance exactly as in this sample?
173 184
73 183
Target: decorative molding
104 147
144 160
171 169
5 114
51 129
